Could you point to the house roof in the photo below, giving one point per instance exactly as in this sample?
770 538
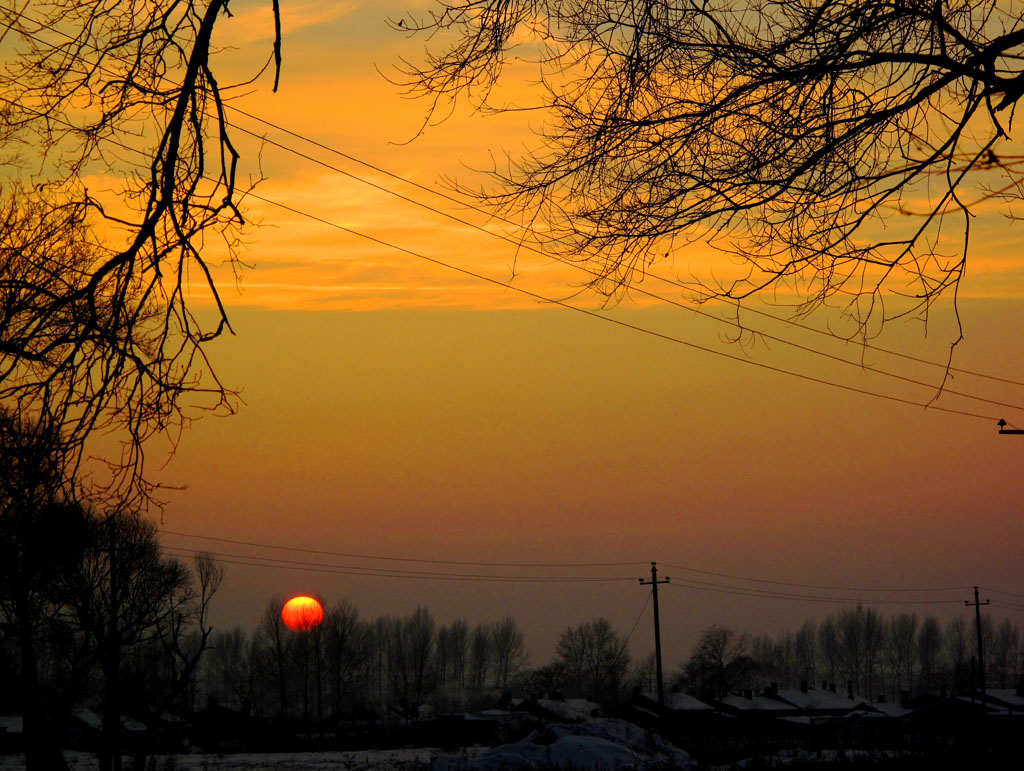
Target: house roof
816 700
93 720
754 704
890 709
562 709
680 702
1006 697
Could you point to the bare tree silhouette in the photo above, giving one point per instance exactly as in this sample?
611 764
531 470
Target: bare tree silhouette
595 658
42 539
128 596
97 327
826 146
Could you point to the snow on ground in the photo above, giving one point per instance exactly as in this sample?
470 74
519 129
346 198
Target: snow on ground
790 758
382 760
597 745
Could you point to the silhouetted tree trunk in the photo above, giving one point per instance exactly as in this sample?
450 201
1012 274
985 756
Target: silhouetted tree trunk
125 592
509 646
828 637
41 542
272 631
929 648
480 655
956 652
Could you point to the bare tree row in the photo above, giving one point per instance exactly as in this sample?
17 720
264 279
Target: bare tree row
349 664
859 649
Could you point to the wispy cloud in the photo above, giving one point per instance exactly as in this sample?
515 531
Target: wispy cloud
256 22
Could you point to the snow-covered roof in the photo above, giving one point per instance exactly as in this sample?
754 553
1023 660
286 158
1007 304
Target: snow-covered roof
681 701
12 724
93 720
991 706
798 719
814 699
1007 696
890 709
754 703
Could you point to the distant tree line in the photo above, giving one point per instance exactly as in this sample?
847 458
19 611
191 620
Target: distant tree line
858 649
351 665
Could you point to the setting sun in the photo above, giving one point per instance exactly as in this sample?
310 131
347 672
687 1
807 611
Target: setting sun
302 613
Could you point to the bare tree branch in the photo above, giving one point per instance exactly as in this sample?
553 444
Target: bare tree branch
98 324
794 137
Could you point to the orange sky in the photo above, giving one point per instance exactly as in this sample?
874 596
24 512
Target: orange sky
398 408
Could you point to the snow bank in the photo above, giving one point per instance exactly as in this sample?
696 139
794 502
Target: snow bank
598 745
813 759
377 760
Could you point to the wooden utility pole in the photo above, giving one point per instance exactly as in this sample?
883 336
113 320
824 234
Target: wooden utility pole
981 652
657 629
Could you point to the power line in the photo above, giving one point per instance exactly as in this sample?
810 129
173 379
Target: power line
1008 594
635 289
413 573
633 327
783 584
1008 606
522 244
811 586
405 559
617 322
705 586
267 562
640 615
584 311
271 562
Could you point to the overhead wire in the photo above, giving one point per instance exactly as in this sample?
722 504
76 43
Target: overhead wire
1007 606
693 584
619 322
1006 593
503 564
640 615
861 365
585 311
811 586
355 570
520 244
464 563
493 215
258 562
705 586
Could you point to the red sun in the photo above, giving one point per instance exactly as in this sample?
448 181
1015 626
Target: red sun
302 613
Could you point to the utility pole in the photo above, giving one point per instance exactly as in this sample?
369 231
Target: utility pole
1004 430
981 653
657 629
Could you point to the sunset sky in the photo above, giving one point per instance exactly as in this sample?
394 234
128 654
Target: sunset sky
398 408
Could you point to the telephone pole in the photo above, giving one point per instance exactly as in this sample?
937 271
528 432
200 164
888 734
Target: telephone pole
657 629
981 653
